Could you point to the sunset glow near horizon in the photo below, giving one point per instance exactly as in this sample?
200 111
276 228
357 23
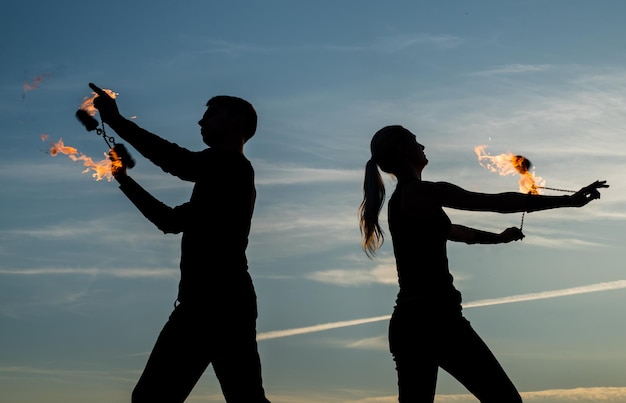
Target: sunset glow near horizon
86 283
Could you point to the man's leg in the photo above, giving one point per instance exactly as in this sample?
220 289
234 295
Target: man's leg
237 364
177 361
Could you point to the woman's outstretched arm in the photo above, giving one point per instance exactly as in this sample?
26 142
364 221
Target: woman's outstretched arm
512 202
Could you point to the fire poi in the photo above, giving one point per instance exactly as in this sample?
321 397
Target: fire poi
117 154
511 164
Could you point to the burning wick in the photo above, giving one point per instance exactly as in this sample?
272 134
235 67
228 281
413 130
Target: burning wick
118 156
87 104
85 114
510 164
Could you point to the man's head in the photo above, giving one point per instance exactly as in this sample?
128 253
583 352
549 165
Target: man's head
228 119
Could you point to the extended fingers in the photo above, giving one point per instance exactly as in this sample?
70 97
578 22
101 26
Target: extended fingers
97 89
601 184
593 188
597 185
593 191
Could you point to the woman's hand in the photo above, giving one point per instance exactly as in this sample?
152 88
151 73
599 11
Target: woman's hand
511 234
470 236
588 193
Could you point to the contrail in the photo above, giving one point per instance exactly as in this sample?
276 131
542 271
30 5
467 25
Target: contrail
318 328
610 285
585 289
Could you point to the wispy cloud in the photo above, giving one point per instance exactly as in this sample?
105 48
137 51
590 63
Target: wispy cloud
271 174
391 43
579 395
397 43
370 343
383 273
598 287
109 272
303 219
562 243
52 231
66 374
514 69
102 229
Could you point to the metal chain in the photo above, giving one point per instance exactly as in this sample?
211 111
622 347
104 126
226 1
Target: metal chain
557 190
110 140
521 226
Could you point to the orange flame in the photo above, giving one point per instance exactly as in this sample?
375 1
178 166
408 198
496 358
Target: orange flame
100 170
35 83
510 164
87 104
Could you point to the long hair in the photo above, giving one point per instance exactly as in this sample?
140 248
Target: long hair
385 146
372 235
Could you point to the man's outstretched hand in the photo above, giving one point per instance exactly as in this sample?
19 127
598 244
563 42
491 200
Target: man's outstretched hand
105 104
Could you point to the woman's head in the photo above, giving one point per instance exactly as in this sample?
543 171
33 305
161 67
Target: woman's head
394 147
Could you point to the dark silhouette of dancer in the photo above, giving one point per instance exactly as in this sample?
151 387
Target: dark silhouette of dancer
427 329
214 319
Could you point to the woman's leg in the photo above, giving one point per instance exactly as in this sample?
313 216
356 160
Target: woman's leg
466 357
412 349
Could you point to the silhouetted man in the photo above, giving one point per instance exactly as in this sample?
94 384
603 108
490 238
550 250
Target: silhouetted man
214 320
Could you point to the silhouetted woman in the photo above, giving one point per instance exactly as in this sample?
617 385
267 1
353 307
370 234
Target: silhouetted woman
427 329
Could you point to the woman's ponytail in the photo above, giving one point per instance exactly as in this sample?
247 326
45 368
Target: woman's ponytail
372 236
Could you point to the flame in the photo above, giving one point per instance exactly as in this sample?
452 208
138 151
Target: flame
100 169
115 160
87 104
510 164
35 83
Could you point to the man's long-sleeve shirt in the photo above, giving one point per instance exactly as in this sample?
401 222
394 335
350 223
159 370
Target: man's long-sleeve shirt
215 222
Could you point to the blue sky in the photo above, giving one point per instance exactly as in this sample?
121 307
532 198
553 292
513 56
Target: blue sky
86 283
